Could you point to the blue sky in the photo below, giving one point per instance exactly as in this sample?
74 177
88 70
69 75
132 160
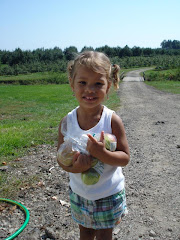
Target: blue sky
32 24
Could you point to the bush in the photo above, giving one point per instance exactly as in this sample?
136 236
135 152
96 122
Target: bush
36 78
163 75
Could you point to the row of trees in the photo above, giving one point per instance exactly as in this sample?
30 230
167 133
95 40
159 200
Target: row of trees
52 55
55 60
161 62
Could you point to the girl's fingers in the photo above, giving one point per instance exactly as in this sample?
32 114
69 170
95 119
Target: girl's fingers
102 137
76 155
89 160
92 138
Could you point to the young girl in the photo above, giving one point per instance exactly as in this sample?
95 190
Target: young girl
99 207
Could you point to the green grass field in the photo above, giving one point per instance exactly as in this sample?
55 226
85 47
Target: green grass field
30 115
166 86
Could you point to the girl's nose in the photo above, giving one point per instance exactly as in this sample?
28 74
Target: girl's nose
90 88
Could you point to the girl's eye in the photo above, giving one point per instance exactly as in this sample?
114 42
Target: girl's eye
82 82
99 83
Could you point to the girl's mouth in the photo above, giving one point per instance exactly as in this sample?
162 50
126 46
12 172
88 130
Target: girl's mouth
89 99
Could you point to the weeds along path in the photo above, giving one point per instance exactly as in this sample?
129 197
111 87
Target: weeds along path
152 123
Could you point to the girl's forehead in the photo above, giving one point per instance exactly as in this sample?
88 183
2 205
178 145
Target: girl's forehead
83 68
86 71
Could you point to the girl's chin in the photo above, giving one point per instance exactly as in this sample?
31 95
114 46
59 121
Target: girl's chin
89 104
86 100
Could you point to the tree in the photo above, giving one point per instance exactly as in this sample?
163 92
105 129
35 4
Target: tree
169 44
57 54
176 44
107 50
136 51
147 51
87 49
6 57
70 52
126 52
17 57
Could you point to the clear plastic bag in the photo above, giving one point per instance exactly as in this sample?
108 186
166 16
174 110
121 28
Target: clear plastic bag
109 139
74 143
71 145
65 153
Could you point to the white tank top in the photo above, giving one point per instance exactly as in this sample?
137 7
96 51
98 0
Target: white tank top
111 178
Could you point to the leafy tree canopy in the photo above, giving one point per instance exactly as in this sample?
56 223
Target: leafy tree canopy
169 44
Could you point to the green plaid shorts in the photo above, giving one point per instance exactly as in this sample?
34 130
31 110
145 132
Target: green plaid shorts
99 214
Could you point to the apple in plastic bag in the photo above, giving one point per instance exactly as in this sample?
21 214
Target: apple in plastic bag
94 162
65 154
90 177
110 142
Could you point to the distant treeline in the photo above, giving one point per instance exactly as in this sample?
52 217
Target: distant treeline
55 60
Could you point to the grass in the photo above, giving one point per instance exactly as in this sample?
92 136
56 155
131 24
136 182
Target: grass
166 86
164 80
35 78
29 115
41 78
9 188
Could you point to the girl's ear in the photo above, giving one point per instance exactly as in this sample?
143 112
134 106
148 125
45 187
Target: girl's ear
108 87
71 83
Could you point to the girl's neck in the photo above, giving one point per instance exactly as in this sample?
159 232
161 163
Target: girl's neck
88 118
90 112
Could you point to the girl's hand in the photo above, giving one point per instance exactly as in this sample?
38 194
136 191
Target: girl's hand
94 147
81 163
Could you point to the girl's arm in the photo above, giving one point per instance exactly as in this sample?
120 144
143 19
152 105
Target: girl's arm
81 162
121 156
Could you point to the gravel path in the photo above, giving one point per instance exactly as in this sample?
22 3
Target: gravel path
152 123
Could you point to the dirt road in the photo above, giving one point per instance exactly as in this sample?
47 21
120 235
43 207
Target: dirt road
133 76
152 123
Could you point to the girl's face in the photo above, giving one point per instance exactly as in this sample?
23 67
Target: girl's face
89 87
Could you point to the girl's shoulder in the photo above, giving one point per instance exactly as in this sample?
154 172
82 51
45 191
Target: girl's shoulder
116 121
72 112
67 119
114 116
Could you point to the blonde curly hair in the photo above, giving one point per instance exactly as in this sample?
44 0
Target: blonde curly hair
97 62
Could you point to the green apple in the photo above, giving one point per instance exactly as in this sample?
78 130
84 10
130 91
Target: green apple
94 162
90 177
110 141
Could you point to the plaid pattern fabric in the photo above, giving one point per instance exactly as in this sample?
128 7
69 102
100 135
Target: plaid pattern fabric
99 214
